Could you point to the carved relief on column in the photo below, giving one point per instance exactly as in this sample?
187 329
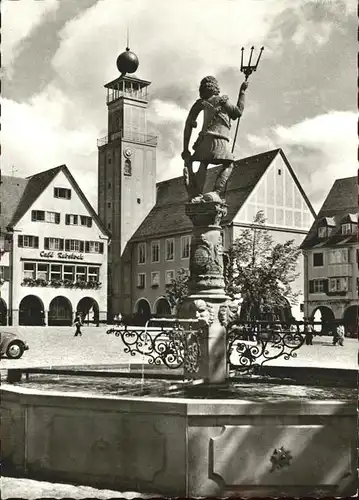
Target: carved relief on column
206 260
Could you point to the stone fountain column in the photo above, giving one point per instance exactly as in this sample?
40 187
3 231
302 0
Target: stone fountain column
206 288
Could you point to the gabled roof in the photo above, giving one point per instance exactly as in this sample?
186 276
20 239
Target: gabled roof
11 192
342 201
168 215
33 186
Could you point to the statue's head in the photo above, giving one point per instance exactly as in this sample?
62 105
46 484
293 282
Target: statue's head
208 87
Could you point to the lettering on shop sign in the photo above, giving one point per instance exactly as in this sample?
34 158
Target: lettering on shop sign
62 255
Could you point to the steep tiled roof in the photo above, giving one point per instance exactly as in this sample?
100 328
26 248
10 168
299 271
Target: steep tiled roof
34 187
168 215
11 192
21 197
341 202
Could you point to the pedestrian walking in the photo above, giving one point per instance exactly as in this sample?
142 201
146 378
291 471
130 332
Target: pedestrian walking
308 330
339 337
78 324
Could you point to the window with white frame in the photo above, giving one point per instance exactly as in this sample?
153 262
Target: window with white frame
71 219
93 247
170 249
170 275
322 232
53 243
155 278
42 272
81 273
85 220
29 270
317 286
62 193
69 273
27 241
339 284
155 251
55 271
141 253
141 280
52 217
185 246
74 245
338 256
93 274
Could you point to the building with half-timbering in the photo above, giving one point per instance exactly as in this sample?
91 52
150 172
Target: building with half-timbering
150 233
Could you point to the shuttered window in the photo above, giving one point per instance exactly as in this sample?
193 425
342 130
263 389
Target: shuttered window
27 241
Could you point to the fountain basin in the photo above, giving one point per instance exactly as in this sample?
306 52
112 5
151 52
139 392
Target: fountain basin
181 446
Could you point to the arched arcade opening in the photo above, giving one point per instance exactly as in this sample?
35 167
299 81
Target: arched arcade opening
89 310
142 312
31 311
162 308
326 316
60 312
350 320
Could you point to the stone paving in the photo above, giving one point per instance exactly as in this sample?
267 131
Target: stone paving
53 346
29 489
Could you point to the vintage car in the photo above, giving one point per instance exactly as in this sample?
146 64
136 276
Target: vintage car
11 345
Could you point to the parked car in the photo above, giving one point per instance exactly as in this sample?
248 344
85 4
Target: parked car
11 345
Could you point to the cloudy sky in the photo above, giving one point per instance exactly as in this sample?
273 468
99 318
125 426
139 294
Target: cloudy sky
58 54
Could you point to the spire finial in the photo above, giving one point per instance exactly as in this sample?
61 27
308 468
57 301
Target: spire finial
128 38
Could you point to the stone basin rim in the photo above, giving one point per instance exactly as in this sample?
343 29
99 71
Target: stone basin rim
189 406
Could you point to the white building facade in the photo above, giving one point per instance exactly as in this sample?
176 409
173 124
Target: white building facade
54 263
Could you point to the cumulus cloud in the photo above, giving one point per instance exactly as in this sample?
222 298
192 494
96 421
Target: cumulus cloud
19 19
320 149
34 140
177 43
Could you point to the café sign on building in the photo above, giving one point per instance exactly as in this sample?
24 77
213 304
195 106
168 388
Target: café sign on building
54 252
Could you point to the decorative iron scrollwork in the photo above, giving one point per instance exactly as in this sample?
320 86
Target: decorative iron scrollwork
251 344
175 346
280 458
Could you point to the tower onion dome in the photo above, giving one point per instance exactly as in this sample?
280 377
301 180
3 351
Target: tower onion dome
127 62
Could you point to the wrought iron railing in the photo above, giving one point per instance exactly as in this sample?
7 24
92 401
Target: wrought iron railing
140 94
254 343
175 346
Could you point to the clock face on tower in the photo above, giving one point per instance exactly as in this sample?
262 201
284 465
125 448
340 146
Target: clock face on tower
127 153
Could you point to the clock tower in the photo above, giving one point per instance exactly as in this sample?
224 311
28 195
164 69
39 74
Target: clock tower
126 174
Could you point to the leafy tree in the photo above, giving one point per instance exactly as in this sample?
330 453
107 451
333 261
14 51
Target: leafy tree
256 268
177 290
261 271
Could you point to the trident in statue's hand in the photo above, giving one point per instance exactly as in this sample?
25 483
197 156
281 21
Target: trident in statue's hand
247 70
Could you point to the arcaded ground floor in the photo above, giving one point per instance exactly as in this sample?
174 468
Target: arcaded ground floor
60 310
333 313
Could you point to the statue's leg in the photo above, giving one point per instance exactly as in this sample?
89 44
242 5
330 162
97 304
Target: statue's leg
201 176
222 178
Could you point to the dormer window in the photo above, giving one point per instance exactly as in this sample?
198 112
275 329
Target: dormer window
322 232
349 228
349 224
326 227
